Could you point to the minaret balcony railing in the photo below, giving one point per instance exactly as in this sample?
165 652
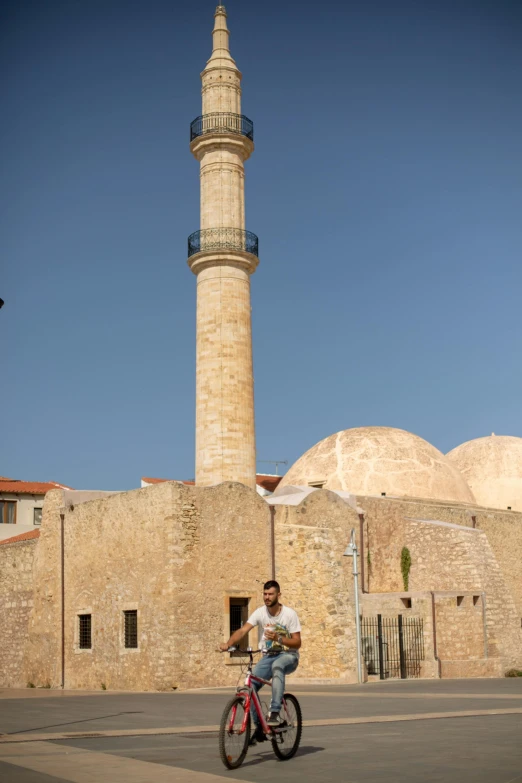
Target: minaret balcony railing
222 122
212 239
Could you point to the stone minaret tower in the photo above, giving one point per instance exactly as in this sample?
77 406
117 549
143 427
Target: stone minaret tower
223 256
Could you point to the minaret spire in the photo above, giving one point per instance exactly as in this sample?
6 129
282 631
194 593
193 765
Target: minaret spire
223 256
220 33
221 57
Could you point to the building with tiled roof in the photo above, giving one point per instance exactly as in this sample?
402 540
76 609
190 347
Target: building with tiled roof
32 534
21 504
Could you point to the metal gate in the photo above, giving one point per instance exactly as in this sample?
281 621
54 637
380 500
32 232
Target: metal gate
393 647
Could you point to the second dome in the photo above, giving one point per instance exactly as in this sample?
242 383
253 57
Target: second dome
377 460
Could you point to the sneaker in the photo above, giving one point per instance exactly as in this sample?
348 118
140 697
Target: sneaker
257 736
274 719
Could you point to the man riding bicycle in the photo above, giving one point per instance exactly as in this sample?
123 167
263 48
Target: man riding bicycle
280 643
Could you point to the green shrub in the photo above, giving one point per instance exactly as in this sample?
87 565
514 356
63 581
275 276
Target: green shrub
514 673
405 566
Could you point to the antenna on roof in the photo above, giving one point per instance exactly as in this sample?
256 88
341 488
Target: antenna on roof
275 462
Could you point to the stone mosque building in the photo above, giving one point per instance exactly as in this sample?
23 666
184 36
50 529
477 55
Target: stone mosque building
133 590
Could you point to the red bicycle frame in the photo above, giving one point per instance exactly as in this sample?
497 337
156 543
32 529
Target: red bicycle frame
251 696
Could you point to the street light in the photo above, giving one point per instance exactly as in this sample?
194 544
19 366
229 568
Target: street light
351 551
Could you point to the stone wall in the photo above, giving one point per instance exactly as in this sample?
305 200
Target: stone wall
503 529
177 554
457 646
172 552
504 532
317 582
445 557
461 630
42 658
16 601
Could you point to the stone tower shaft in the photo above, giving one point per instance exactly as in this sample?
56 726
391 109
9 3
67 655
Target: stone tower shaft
223 256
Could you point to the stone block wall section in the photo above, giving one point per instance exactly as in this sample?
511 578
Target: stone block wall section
503 529
458 648
461 627
42 654
176 554
317 581
16 601
504 532
171 552
444 556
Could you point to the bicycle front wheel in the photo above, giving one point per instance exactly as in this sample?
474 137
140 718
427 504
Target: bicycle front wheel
286 739
233 738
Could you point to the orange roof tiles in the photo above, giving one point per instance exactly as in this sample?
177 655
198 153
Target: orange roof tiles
268 482
21 537
16 487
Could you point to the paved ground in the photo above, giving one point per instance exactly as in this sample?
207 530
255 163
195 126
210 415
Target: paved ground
458 731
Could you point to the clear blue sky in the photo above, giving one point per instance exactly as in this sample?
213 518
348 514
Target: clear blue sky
385 188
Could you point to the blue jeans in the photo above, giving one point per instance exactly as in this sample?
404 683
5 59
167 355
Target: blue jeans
274 667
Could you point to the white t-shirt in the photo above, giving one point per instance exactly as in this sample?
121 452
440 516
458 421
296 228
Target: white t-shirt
286 623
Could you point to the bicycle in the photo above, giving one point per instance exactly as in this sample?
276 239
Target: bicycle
235 727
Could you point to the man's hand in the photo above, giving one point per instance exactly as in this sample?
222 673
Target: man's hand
236 637
272 635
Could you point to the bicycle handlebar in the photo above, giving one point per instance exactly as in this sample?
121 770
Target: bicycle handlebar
248 651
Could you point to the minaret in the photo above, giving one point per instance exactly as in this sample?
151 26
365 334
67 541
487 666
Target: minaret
223 256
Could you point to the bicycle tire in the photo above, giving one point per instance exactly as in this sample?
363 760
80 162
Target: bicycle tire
232 757
284 753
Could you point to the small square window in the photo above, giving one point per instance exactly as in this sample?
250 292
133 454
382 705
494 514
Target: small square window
476 599
37 516
85 631
131 629
406 602
460 599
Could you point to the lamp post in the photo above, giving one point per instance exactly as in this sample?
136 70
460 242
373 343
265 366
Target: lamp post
351 551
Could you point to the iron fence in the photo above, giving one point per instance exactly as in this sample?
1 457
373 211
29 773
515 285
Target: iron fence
223 239
393 647
222 122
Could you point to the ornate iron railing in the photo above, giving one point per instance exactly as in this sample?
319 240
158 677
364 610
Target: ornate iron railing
222 122
223 239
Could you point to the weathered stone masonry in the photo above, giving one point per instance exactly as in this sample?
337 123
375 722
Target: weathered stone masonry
16 603
176 554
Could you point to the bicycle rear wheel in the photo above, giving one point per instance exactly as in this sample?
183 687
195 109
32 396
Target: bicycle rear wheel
233 742
285 740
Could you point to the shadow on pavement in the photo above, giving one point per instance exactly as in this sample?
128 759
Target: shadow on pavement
270 756
74 722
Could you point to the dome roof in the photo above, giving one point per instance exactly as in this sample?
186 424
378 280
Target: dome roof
492 467
373 460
